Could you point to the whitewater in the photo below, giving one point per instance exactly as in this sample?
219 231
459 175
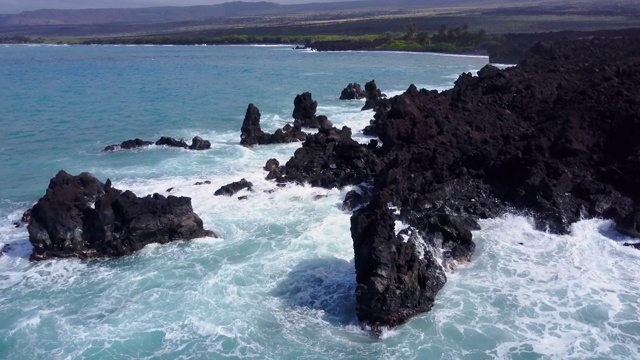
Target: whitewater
279 282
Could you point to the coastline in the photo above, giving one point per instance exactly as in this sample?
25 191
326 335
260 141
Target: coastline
335 275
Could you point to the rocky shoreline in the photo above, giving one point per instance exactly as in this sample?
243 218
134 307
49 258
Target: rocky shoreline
503 49
556 137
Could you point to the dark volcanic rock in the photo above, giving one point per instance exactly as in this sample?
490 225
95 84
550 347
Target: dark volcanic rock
199 143
373 95
81 217
556 137
25 219
331 158
397 275
635 246
128 144
452 230
172 142
275 170
271 164
304 111
353 91
356 198
251 133
630 224
234 187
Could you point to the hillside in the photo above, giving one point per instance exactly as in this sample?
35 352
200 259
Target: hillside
48 17
347 18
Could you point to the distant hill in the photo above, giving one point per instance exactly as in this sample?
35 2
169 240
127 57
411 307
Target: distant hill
47 17
141 15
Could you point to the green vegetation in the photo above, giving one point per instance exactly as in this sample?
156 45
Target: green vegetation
227 39
445 40
406 45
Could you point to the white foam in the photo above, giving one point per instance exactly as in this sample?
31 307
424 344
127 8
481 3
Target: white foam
545 295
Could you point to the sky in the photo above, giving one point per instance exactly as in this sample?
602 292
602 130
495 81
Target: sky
14 6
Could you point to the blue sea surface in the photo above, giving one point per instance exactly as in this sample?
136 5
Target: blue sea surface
279 283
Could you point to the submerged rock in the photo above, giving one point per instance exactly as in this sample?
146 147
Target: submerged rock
81 217
234 187
172 142
196 144
128 144
199 143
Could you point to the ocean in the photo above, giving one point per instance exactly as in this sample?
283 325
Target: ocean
279 283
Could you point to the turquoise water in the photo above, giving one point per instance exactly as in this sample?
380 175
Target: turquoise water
279 283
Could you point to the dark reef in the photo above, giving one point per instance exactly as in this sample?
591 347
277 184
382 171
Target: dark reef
197 143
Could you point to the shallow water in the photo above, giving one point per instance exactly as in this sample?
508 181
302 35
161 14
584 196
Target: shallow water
279 283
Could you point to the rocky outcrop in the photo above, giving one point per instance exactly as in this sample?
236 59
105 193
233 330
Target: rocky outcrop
251 133
79 216
172 142
234 187
275 171
199 143
304 113
331 158
127 145
353 91
397 274
373 95
556 137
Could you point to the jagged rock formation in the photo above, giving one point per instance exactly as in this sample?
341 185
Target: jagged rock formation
556 136
251 133
304 113
79 216
373 95
396 277
331 158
